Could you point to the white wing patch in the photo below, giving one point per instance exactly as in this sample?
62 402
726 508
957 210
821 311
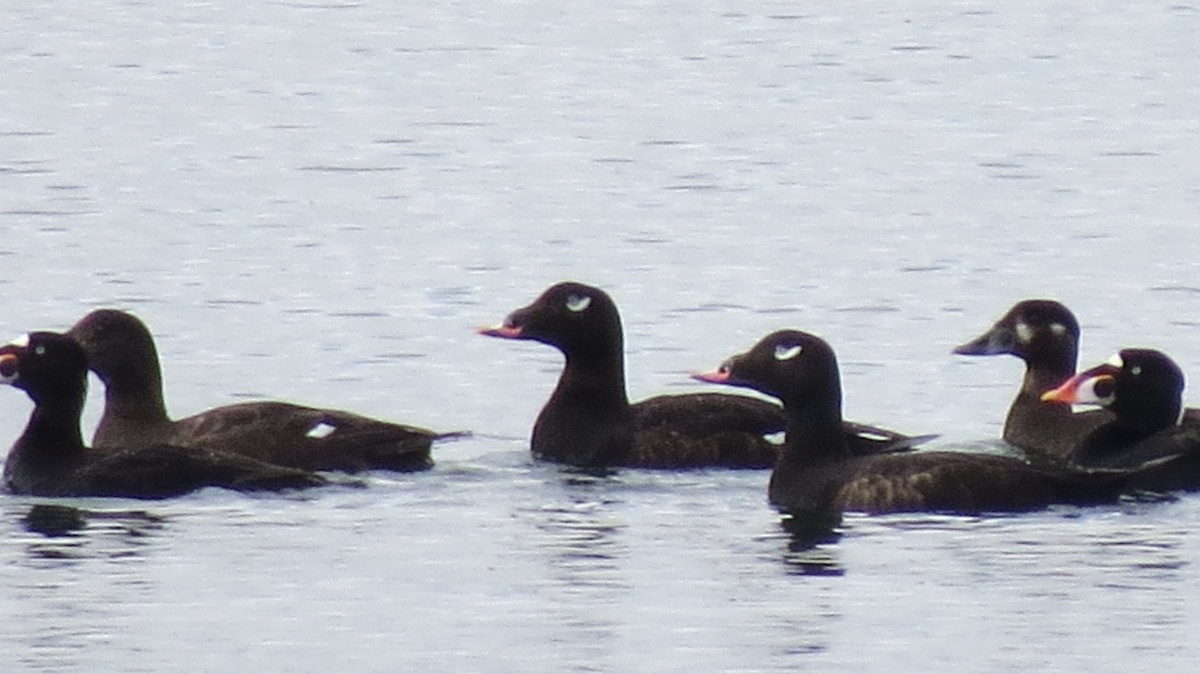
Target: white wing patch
320 430
578 303
786 352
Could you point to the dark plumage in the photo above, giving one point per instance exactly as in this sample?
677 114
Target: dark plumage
816 474
589 421
1045 335
1149 433
50 459
121 352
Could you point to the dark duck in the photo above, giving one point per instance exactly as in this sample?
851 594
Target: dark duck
50 459
1045 335
817 474
1150 434
590 422
122 353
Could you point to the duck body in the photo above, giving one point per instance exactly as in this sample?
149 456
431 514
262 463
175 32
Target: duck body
588 420
817 474
1044 334
50 459
122 353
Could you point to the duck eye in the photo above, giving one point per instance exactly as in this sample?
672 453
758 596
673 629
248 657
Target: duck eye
787 351
1135 370
39 350
578 303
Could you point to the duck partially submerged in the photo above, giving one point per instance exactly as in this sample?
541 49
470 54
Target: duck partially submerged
817 475
122 353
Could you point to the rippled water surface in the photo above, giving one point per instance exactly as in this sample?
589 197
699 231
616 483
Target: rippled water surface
319 201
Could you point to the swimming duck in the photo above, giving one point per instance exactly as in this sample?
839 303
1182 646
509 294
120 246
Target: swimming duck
50 458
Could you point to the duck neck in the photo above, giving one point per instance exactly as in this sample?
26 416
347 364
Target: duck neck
53 428
134 393
1044 373
814 432
587 421
595 378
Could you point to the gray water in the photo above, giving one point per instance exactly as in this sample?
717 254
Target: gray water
318 202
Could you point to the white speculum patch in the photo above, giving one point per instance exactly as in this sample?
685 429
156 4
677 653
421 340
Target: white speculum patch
1024 332
787 352
321 430
578 303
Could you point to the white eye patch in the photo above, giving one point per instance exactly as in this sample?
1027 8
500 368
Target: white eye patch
787 351
1024 332
1116 360
578 303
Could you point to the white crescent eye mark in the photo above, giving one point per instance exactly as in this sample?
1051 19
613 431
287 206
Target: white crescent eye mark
578 303
320 430
22 341
1116 361
787 352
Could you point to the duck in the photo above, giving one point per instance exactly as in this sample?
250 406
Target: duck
122 353
49 458
1150 432
817 475
1045 335
590 422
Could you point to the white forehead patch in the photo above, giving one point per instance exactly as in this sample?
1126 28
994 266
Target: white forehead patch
22 341
1058 329
320 430
1024 332
787 352
1116 360
578 303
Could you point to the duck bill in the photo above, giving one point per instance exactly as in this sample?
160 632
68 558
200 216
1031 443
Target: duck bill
1084 388
1067 393
9 367
994 342
714 377
502 331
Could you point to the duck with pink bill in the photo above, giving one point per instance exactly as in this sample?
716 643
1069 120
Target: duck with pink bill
1151 434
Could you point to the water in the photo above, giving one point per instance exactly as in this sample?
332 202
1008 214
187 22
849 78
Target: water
318 201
